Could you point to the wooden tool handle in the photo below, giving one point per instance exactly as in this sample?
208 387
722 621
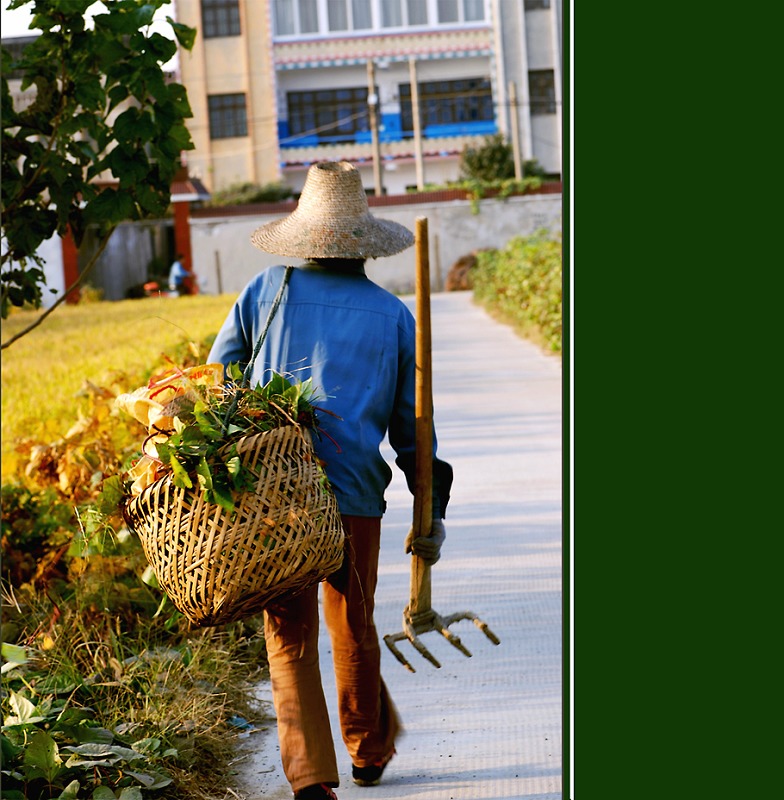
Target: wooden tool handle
419 600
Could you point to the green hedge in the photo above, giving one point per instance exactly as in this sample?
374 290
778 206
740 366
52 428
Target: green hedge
522 285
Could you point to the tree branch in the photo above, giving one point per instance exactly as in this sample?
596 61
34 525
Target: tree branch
93 261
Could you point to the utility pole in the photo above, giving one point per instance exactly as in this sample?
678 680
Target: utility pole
518 166
420 172
373 115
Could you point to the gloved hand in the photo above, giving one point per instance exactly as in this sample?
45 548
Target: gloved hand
428 548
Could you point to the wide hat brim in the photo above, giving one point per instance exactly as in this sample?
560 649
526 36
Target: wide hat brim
332 220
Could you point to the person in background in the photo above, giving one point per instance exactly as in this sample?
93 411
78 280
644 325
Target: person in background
356 341
178 276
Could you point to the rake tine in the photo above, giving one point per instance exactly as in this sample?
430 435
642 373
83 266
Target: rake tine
408 628
414 639
442 626
475 619
390 639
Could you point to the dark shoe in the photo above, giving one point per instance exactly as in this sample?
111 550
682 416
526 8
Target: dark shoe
319 791
370 776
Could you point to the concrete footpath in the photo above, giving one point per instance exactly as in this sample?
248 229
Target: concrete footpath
486 727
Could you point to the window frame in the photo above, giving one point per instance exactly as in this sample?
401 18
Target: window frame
541 91
229 120
450 102
220 18
315 112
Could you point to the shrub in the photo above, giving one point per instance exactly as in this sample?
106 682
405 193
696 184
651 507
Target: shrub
492 161
522 285
533 169
240 193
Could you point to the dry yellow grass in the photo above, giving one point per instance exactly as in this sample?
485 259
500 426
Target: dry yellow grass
43 371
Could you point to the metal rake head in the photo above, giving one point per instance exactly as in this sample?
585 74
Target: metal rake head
430 621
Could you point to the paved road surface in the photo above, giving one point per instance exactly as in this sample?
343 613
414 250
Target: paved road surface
486 727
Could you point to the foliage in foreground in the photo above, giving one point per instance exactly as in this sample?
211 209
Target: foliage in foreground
107 692
523 285
94 708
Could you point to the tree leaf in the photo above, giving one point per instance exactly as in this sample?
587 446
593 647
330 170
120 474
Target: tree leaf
185 36
24 711
221 494
71 792
41 757
205 475
131 793
148 746
14 653
110 206
103 793
179 475
8 749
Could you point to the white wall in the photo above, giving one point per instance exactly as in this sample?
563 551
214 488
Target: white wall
51 251
454 231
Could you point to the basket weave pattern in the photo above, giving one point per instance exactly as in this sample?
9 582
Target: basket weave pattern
218 566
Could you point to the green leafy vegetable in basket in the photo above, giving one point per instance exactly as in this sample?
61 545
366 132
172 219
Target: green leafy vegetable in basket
195 419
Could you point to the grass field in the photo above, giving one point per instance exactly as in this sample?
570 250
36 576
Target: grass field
43 372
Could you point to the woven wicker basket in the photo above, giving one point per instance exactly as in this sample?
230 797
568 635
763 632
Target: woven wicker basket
217 566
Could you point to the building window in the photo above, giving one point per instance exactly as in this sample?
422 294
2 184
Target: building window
447 11
220 18
329 114
448 103
337 14
541 89
295 16
450 11
391 14
532 5
362 15
228 117
417 12
473 10
349 15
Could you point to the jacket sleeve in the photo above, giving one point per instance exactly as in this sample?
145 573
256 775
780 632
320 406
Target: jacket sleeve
442 480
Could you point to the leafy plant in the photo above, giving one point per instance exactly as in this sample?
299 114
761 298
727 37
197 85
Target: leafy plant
522 284
493 161
476 189
195 421
89 708
103 109
533 169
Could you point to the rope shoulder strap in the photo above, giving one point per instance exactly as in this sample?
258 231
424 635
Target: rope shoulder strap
273 310
262 336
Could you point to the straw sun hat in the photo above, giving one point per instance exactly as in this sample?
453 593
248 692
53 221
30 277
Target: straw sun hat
332 220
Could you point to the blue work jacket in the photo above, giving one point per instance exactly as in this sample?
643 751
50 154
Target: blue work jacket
356 341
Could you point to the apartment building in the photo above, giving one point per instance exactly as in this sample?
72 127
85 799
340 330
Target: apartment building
398 87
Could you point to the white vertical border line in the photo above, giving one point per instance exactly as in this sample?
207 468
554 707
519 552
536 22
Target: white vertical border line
571 399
